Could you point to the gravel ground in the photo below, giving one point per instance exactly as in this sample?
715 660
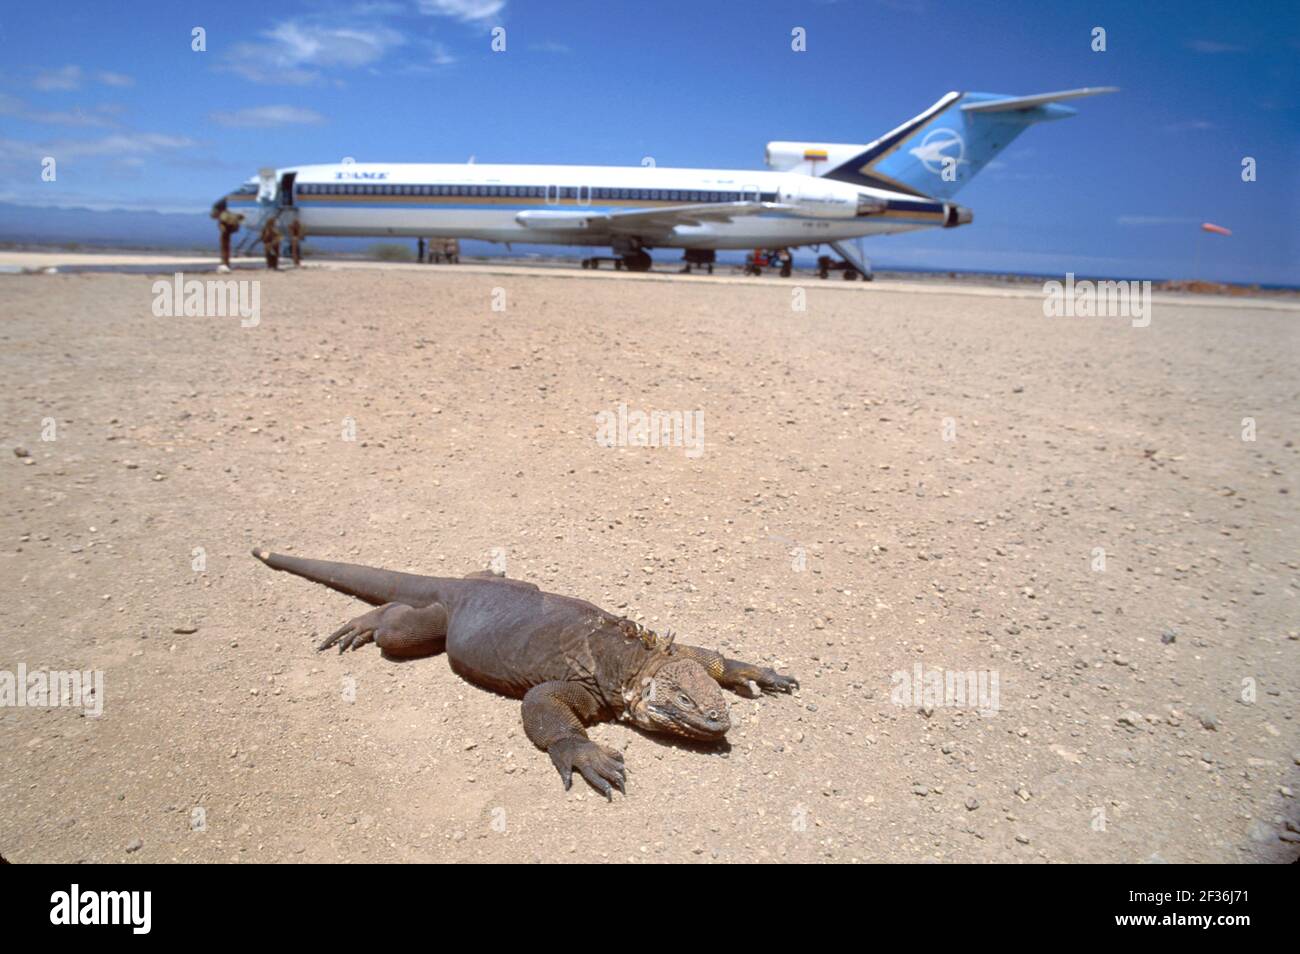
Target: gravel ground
1065 508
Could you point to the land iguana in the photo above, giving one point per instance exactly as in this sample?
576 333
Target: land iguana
572 663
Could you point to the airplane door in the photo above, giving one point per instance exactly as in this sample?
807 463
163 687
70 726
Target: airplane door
584 195
750 193
552 195
286 188
265 185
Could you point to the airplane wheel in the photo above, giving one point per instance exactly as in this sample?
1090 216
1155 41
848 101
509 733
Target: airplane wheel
638 261
785 271
850 275
586 263
710 269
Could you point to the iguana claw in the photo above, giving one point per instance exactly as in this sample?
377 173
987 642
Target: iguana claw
600 766
769 680
355 633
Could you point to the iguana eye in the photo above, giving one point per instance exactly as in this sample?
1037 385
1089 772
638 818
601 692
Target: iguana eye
685 700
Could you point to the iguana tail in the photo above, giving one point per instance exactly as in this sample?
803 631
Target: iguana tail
368 583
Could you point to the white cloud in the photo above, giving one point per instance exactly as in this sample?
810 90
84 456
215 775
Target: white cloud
98 117
64 78
293 53
1154 220
1214 46
70 77
1191 125
467 11
114 79
115 146
261 117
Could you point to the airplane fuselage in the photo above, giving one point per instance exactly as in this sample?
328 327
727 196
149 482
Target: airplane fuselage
587 205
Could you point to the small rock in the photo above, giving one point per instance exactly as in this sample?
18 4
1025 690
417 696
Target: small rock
972 804
136 845
21 451
1208 721
1260 832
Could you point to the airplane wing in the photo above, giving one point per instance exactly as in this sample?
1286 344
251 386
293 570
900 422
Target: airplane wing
640 221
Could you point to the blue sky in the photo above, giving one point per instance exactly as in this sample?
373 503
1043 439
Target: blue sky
136 119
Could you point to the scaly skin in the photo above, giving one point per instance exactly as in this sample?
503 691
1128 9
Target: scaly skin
572 663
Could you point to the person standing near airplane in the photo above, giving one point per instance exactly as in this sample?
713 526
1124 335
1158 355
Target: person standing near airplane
271 243
295 240
227 225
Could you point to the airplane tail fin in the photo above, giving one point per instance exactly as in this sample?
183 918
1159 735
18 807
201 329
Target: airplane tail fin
939 151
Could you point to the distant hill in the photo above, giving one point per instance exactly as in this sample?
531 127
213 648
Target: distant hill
24 224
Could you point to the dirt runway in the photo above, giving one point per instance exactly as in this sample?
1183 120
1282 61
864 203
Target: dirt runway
1094 522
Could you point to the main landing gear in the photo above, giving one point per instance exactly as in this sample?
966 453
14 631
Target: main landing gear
638 261
699 258
635 260
595 260
826 265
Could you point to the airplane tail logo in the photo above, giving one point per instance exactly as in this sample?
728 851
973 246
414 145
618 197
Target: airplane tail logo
940 150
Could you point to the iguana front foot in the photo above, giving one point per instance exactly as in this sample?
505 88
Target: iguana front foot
398 629
737 675
770 681
600 766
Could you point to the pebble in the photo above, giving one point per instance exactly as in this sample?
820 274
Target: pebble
134 846
1208 721
1260 832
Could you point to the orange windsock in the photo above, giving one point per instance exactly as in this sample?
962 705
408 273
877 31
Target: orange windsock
1216 229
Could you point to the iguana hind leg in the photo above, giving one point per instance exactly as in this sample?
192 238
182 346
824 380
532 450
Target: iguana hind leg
397 629
554 715
736 675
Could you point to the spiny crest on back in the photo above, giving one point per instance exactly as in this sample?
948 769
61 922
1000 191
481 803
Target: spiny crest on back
649 638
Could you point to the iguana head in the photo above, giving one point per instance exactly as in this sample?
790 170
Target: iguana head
680 698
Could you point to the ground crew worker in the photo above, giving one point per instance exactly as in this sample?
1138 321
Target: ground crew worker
227 225
271 243
296 234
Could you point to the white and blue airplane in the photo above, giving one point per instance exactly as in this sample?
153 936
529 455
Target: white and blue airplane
817 193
